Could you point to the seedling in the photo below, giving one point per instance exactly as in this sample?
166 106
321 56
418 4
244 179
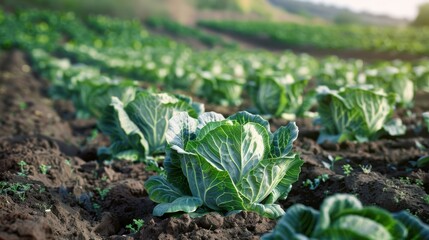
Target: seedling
44 168
332 160
406 180
316 182
93 136
347 168
366 168
153 166
104 178
23 169
400 196
103 192
138 224
17 189
96 206
426 199
23 105
419 182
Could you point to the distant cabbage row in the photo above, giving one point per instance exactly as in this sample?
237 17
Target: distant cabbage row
382 39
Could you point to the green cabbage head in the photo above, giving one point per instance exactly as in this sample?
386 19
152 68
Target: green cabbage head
225 165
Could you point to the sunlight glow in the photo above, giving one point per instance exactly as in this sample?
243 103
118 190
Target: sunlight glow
395 8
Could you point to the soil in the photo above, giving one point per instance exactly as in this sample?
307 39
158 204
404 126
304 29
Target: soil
80 197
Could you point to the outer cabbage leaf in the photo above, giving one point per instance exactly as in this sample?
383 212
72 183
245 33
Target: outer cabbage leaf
342 216
141 125
182 204
416 228
151 112
297 223
124 134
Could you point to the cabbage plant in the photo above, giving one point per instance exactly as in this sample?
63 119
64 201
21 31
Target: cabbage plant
275 95
137 129
356 113
394 80
225 165
223 89
342 216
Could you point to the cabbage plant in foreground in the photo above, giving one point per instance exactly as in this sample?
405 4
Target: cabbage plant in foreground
356 113
137 129
342 216
225 165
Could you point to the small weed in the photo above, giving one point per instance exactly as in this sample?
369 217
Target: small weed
93 136
23 105
400 196
316 182
366 168
44 168
347 169
16 189
23 169
419 182
103 192
409 181
42 189
68 162
426 199
138 224
96 207
332 161
405 181
104 178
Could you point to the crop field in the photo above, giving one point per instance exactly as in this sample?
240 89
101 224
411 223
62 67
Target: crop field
129 129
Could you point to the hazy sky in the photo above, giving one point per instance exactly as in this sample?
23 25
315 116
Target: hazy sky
395 8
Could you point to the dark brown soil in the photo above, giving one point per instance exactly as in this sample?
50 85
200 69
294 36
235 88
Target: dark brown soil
67 201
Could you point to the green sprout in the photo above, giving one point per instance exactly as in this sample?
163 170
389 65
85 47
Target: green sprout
23 169
426 199
68 162
17 189
23 105
44 168
96 206
332 162
347 168
316 182
103 192
93 136
138 224
365 168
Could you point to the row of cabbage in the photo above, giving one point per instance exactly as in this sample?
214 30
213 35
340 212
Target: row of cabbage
277 85
177 29
407 40
258 170
199 177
